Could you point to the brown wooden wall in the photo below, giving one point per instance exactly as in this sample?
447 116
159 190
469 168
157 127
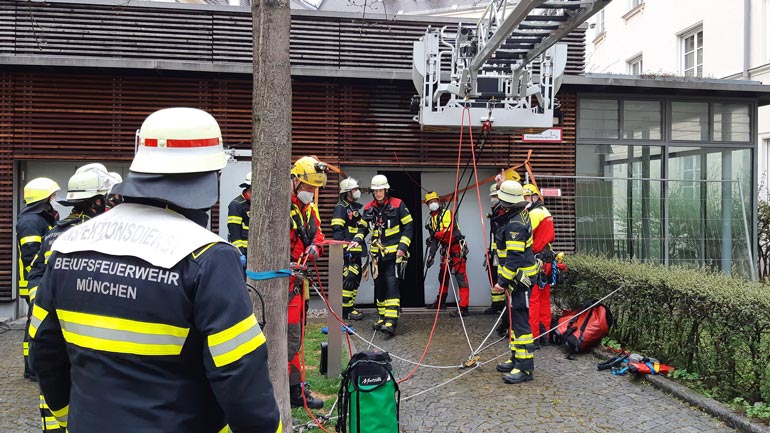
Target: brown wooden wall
73 115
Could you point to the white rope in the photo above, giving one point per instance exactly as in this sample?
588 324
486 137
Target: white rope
457 298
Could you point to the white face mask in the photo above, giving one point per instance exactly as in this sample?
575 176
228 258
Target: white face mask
356 194
494 201
305 196
433 207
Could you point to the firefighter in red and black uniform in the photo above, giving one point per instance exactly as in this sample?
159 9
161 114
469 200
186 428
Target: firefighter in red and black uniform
518 267
305 238
238 219
390 225
142 321
86 191
444 232
492 260
34 222
348 225
542 235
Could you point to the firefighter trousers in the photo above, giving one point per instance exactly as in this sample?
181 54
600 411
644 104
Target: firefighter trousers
522 344
295 323
351 279
455 267
540 304
386 291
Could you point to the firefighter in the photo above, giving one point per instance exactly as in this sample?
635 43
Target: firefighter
390 225
86 191
518 267
444 232
238 219
542 236
492 260
141 320
348 225
34 221
305 239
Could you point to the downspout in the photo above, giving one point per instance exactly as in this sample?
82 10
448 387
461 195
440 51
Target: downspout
746 37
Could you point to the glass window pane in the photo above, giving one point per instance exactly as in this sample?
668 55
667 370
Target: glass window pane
689 44
641 120
731 122
688 61
598 118
689 121
700 56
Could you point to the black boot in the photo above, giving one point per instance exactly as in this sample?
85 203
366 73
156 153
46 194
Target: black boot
504 367
389 327
438 304
295 396
463 312
495 308
518 376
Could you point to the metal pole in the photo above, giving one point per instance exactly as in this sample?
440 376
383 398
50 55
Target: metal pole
334 364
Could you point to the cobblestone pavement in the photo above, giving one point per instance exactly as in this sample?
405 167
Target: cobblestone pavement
566 396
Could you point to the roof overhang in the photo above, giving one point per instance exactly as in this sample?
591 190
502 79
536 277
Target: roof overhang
679 86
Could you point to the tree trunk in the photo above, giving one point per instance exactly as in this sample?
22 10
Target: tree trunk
270 164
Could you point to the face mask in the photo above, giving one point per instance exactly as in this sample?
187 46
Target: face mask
356 194
494 201
305 196
433 207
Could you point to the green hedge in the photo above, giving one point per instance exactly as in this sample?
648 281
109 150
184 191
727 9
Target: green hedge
707 323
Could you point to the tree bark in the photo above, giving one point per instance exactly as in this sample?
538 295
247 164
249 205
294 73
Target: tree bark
270 164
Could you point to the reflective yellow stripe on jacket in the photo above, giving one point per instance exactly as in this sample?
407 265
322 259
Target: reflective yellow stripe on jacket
235 342
112 334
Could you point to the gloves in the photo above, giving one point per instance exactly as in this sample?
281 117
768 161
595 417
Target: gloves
429 241
430 261
463 247
243 261
350 279
312 252
522 279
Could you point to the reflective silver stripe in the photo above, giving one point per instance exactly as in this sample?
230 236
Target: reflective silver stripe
235 342
127 336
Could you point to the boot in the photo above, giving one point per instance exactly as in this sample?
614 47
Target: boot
295 396
389 327
436 304
495 308
377 326
518 376
463 312
354 315
505 367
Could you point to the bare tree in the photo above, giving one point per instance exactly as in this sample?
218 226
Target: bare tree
271 161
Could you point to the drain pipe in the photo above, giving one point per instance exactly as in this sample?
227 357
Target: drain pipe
746 37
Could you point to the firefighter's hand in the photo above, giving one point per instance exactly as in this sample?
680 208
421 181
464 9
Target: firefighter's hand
312 252
352 245
498 289
522 279
429 241
400 253
430 261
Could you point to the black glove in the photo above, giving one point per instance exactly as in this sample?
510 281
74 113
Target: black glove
429 241
430 261
350 280
349 284
522 279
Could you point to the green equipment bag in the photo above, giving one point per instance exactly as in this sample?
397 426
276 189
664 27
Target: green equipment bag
368 396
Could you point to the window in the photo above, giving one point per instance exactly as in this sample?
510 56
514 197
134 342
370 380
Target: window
690 121
600 22
635 65
641 120
598 118
635 3
731 122
692 53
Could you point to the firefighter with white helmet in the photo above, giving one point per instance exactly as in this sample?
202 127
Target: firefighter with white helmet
348 225
305 239
444 232
34 222
390 225
495 219
517 265
142 316
86 193
238 219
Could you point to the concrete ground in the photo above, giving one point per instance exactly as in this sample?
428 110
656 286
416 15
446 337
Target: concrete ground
566 395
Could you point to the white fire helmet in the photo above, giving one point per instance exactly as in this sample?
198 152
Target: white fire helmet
246 181
86 184
347 185
379 182
510 192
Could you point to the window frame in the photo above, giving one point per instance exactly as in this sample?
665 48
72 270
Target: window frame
633 61
692 32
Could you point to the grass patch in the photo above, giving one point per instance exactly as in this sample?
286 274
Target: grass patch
320 386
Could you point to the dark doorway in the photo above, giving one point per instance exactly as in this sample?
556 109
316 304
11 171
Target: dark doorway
405 185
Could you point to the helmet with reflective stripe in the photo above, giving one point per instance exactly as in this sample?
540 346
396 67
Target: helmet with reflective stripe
510 192
179 140
39 189
379 182
347 185
310 171
432 195
246 181
86 184
493 190
529 190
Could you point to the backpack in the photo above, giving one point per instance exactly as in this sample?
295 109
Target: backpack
369 396
580 333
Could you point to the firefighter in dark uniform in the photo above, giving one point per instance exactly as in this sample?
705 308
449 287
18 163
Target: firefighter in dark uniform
86 191
305 239
141 321
390 225
34 221
238 219
492 260
444 232
518 264
348 225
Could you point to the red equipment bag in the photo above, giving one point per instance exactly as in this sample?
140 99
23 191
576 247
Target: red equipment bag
580 333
